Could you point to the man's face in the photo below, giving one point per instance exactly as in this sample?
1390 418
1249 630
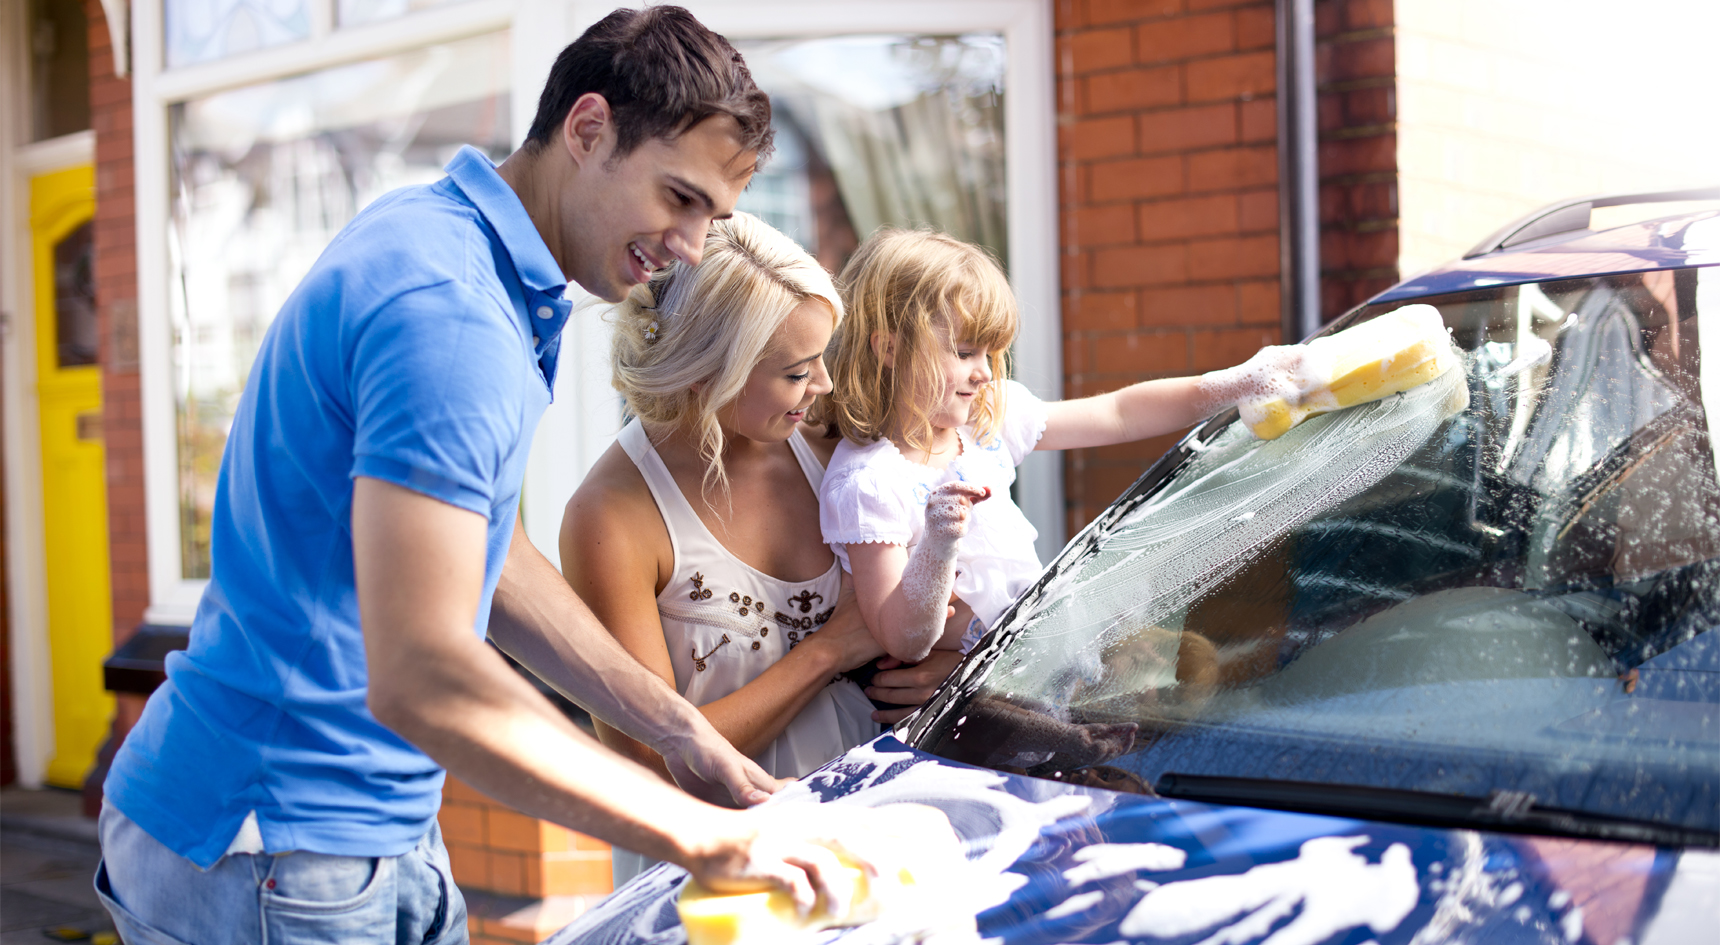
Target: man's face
629 217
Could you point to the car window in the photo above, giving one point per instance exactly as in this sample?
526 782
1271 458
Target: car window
1498 583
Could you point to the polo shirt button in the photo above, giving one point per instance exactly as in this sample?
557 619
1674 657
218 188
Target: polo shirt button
545 312
535 341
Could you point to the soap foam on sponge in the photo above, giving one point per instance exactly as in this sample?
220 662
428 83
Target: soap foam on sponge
1387 355
917 857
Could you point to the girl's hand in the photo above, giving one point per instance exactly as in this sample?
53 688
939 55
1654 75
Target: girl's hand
949 508
1275 372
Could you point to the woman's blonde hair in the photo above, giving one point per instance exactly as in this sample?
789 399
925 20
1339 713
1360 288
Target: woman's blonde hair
707 327
928 292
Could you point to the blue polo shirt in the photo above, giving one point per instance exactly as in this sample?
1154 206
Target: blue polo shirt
419 350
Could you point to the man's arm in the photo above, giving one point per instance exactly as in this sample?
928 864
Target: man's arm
419 565
537 619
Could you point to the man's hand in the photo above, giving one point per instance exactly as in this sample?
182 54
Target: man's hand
801 848
706 766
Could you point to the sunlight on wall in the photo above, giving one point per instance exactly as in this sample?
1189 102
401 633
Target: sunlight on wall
1507 105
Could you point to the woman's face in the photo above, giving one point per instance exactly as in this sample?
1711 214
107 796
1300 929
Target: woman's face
787 380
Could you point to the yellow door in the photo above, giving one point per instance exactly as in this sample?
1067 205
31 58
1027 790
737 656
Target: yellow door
74 487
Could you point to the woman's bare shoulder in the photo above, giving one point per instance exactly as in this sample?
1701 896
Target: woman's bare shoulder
818 436
613 512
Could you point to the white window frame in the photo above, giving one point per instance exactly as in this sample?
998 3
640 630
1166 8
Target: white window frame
581 424
173 598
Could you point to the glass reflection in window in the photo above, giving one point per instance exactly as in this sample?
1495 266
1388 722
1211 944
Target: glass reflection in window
357 12
263 178
75 298
882 131
204 30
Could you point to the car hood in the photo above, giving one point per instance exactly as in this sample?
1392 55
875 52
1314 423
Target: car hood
1058 863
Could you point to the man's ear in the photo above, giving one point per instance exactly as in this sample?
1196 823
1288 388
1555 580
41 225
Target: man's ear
884 346
588 123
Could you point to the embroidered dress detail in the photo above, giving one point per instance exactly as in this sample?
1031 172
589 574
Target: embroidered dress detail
718 614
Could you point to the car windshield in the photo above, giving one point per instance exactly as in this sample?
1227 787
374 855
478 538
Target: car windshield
1498 584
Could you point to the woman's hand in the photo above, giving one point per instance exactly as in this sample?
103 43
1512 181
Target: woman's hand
909 685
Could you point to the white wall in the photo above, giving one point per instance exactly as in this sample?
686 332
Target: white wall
1507 105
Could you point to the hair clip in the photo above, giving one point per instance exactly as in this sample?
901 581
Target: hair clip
651 333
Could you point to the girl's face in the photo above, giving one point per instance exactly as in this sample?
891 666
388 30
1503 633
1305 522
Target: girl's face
788 379
963 372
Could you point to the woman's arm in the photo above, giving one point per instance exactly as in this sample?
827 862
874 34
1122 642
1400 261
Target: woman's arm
615 552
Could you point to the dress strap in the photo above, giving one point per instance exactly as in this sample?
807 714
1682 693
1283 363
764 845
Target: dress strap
809 463
671 504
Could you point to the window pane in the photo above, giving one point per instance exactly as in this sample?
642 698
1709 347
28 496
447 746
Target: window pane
882 131
75 298
201 30
263 178
356 12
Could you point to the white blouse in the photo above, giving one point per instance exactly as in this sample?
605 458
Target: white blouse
872 493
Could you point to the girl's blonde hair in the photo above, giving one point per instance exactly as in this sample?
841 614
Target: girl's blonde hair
928 291
707 327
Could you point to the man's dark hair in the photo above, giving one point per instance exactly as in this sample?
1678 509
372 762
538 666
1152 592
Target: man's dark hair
662 72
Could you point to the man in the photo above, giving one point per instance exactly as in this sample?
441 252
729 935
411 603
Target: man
371 481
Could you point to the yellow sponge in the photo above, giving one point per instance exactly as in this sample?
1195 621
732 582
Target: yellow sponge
1387 355
916 835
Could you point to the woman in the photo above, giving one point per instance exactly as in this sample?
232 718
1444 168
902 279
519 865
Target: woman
695 538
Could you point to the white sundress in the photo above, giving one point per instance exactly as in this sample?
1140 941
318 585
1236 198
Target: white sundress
726 622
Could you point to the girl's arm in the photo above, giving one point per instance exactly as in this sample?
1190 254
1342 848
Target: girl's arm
613 549
1136 412
905 598
1153 408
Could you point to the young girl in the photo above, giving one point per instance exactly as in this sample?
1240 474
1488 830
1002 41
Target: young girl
915 501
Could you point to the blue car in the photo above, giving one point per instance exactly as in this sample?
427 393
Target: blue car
1433 669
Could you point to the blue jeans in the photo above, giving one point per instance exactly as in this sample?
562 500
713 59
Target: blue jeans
157 897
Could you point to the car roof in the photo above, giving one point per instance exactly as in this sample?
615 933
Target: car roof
1555 242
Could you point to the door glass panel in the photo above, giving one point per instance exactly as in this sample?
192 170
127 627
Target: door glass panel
263 178
203 30
75 299
889 130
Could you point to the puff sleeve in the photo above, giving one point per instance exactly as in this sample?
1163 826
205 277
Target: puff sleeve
859 506
1024 418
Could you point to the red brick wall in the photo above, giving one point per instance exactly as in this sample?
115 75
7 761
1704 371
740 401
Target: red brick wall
1356 71
1168 193
523 878
116 315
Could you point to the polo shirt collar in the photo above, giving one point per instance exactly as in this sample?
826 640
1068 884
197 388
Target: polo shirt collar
478 179
546 308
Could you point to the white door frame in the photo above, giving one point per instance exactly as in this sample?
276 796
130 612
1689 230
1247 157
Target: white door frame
27 579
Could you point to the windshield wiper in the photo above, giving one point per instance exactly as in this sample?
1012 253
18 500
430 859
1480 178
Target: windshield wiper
1503 811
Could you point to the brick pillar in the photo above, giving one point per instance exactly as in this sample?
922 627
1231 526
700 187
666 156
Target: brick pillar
1168 193
523 878
116 321
1356 71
